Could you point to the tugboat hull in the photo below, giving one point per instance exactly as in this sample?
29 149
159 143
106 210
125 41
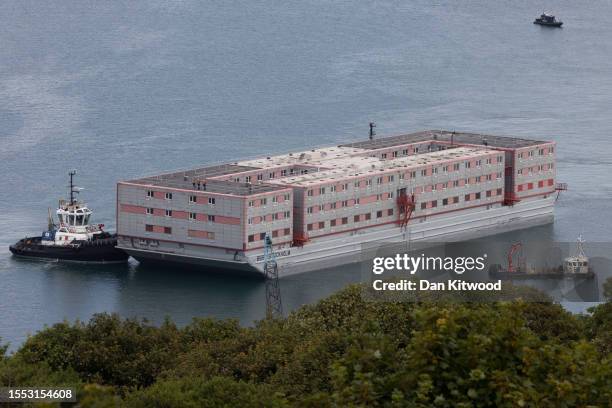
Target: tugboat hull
96 251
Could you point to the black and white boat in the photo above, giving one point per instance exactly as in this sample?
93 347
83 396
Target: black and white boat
548 20
73 238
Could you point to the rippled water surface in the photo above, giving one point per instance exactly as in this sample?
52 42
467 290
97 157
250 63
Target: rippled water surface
121 89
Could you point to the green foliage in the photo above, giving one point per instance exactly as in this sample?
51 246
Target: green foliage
343 351
607 289
107 350
599 327
213 393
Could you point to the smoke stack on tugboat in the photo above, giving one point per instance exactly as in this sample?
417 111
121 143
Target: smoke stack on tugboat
73 238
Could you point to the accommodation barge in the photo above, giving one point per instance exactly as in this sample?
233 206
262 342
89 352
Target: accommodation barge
323 206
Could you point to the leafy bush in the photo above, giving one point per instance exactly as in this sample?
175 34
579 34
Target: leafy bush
343 351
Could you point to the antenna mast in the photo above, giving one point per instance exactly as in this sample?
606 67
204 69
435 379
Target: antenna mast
372 131
72 190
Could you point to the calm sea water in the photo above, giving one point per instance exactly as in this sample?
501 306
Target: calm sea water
122 89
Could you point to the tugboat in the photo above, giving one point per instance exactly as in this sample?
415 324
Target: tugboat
548 20
74 238
575 267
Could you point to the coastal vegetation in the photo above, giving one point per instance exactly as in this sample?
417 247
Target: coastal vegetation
346 350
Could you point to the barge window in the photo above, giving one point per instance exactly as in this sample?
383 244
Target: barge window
149 193
211 200
211 218
168 213
167 230
251 238
193 199
192 216
150 211
149 228
168 196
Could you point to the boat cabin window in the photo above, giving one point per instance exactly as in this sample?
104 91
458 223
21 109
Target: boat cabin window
60 218
79 220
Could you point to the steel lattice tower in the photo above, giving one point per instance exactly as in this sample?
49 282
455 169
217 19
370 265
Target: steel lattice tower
274 305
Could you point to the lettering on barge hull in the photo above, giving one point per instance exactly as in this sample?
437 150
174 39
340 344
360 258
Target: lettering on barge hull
277 254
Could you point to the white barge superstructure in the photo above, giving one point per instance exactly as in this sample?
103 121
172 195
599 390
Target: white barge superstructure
323 205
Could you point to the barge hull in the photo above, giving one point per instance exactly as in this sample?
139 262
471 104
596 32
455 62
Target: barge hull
349 249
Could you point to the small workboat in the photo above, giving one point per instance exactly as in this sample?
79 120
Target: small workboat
575 266
73 238
548 20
